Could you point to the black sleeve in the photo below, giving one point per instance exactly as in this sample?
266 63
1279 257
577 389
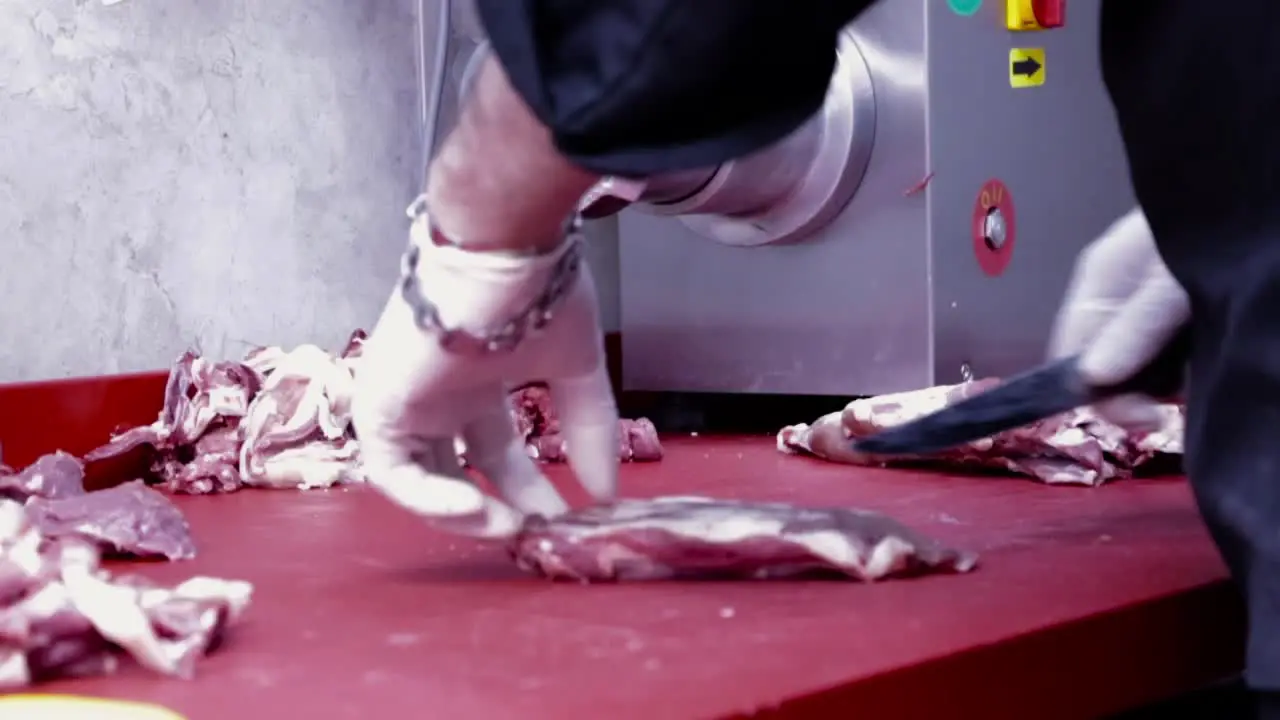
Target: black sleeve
636 87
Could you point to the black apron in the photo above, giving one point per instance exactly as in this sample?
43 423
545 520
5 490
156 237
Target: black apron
1196 86
639 87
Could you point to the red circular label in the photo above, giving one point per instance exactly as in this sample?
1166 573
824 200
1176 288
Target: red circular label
994 227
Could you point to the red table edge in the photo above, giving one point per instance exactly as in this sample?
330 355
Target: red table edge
1089 668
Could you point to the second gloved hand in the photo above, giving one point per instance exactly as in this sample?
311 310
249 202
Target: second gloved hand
513 319
1121 308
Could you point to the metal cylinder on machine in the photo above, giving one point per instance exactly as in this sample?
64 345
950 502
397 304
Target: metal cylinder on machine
781 194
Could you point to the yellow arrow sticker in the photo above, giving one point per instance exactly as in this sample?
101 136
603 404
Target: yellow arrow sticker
1026 67
72 707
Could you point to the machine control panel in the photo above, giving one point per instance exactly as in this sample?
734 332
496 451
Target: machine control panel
1025 15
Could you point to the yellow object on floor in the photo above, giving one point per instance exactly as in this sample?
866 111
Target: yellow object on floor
73 707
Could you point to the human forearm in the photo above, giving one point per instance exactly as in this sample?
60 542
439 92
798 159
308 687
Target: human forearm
498 182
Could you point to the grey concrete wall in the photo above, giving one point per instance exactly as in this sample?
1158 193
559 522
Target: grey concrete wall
209 173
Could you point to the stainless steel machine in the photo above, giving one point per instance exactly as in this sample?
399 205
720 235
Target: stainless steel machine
922 226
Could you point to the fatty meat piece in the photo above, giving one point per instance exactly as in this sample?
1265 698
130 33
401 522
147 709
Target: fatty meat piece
697 537
196 439
1074 448
130 519
56 475
62 615
265 359
297 432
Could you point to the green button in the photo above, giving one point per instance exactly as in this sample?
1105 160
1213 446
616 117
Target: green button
964 7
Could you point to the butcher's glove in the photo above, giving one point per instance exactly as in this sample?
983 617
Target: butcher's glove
1122 307
459 331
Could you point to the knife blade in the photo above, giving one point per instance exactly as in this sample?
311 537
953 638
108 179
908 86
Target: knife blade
1041 393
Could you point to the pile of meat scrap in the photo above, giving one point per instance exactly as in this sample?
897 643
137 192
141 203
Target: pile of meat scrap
1074 448
275 419
62 614
282 419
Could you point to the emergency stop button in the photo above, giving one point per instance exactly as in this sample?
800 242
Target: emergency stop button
1023 15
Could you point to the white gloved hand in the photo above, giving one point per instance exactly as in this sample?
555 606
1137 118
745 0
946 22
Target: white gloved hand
413 397
1121 308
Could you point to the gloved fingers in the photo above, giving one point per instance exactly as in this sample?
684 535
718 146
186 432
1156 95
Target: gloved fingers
399 374
1107 272
1141 328
589 424
1135 413
424 477
495 451
1115 263
1078 324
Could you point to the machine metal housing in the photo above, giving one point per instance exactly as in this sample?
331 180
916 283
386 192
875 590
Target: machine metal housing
882 291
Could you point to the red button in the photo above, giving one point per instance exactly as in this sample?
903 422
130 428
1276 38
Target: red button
1050 13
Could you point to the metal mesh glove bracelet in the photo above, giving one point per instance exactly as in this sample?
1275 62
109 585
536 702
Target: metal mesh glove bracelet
509 335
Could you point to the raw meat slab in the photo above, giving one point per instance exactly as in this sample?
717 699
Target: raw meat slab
697 537
1075 448
130 519
55 475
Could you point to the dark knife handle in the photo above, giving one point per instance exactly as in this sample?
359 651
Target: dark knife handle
1162 378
